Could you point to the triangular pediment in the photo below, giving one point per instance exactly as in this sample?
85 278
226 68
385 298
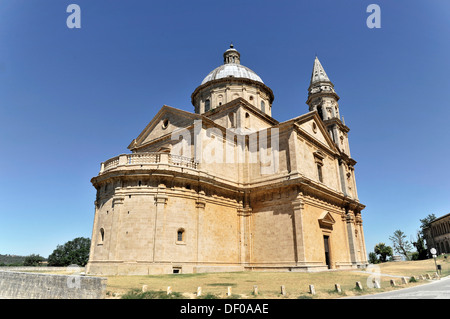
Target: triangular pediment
165 122
264 119
311 127
326 220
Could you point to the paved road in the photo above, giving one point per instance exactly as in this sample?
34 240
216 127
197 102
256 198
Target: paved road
437 289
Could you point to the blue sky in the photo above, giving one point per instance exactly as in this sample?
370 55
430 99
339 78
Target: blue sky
72 98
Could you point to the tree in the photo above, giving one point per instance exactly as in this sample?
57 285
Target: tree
426 222
74 252
401 245
420 247
373 258
33 260
384 251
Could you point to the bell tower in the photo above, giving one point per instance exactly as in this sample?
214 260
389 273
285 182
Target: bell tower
323 98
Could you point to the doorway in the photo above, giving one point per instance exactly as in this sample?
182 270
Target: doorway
327 250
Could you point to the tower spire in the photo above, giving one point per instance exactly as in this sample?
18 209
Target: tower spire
323 99
318 73
321 95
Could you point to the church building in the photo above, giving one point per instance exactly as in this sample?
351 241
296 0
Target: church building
229 188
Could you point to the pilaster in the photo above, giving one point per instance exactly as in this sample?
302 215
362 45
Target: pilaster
359 225
159 234
293 152
200 204
350 220
298 209
245 243
114 245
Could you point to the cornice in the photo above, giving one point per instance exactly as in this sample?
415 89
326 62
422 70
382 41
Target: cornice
339 123
240 102
320 94
205 181
232 80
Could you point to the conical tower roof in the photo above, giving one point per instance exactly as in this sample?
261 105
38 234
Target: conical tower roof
320 82
318 73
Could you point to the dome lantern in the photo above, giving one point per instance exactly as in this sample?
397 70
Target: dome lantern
231 56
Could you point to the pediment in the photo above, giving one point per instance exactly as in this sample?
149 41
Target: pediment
311 126
165 122
264 120
326 220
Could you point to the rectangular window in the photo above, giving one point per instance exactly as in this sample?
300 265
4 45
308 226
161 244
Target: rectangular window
327 251
176 270
319 172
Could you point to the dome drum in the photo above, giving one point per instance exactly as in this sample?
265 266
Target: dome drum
215 93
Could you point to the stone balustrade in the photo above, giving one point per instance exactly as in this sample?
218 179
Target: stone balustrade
147 158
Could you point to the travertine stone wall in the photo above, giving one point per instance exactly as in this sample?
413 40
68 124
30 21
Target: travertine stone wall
20 285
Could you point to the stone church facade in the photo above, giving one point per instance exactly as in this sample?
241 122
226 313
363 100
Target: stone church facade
229 188
437 235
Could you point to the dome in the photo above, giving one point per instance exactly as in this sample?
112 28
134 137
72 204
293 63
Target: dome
231 70
231 81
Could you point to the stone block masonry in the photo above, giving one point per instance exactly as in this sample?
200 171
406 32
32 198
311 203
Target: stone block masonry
20 285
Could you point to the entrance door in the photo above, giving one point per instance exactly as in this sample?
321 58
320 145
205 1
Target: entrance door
327 250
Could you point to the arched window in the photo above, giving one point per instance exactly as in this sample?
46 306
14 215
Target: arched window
207 105
180 234
247 120
102 236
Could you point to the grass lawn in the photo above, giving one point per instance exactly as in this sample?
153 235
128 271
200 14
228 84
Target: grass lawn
214 285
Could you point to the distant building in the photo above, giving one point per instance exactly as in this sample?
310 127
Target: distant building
437 235
268 195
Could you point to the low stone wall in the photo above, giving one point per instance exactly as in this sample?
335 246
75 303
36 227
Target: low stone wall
22 285
68 269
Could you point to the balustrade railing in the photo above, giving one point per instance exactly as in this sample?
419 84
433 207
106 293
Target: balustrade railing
182 161
147 158
143 158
